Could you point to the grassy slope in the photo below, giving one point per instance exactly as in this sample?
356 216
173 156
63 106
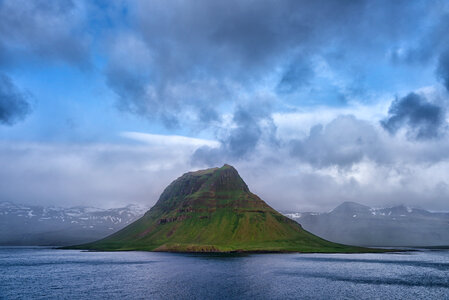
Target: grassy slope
220 215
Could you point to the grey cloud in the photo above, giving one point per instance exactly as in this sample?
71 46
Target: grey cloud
347 141
128 86
253 123
14 105
207 156
46 29
205 53
343 142
288 184
244 138
421 118
134 76
39 31
172 105
115 175
108 175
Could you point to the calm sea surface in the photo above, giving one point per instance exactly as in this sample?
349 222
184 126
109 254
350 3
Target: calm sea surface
29 273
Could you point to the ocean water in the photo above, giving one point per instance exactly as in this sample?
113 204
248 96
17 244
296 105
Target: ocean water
45 273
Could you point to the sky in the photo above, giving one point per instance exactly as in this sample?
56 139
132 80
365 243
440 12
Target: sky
104 103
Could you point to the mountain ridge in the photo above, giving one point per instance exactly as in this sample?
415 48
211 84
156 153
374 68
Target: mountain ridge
397 226
34 225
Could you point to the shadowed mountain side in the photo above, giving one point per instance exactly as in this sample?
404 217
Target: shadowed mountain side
213 211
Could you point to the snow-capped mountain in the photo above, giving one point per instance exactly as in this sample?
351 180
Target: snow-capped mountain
356 224
38 225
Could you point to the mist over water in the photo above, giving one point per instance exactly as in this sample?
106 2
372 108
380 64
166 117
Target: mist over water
48 273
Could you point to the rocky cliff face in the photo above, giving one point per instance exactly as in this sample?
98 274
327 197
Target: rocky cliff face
204 191
228 180
213 210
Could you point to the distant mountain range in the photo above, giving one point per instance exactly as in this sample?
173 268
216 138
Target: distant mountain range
355 224
38 225
349 223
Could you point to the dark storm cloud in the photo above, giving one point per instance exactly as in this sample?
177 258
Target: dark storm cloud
245 136
252 124
39 31
202 54
421 118
14 104
46 29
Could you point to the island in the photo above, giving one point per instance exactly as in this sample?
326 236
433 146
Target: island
213 210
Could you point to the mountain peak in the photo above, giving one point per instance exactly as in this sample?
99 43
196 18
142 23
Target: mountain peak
352 207
212 210
227 179
210 170
202 183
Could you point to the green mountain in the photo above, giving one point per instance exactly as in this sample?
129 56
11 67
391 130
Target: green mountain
213 211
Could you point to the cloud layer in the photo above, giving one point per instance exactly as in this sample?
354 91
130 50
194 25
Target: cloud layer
315 102
195 57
